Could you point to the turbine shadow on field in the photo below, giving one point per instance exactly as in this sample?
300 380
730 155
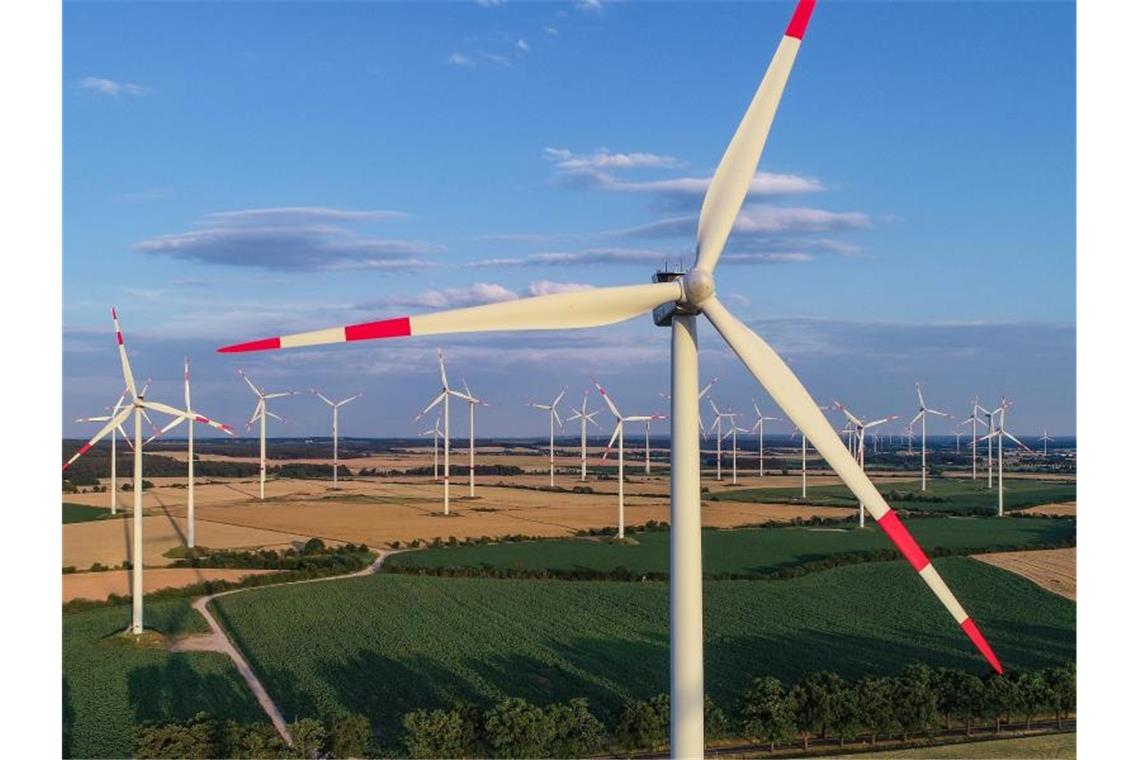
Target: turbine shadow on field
175 690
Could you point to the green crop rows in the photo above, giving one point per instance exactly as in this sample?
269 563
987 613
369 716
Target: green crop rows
756 551
73 513
954 494
386 644
109 683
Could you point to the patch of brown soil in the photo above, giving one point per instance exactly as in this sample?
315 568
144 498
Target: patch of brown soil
99 586
1051 569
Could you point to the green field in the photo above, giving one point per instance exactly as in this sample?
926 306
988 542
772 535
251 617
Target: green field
753 551
942 494
109 683
1053 747
73 513
385 644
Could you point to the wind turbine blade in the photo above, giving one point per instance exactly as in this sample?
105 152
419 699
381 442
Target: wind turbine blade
733 177
256 391
431 406
324 398
127 374
274 416
186 379
1013 438
281 394
707 388
917 417
442 371
103 431
921 400
165 408
786 389
169 426
851 418
105 417
610 445
559 398
556 417
202 420
607 399
590 419
558 311
935 411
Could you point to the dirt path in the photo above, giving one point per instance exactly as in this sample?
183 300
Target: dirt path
217 641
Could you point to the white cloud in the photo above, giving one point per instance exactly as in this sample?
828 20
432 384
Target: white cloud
459 59
551 30
523 46
490 3
612 255
589 6
547 287
113 88
567 161
759 219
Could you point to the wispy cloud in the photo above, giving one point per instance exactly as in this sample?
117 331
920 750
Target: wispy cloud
490 3
459 59
292 239
759 219
602 159
112 87
589 6
523 45
475 295
604 255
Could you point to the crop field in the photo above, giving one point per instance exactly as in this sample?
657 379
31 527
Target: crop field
110 683
1052 746
386 644
942 494
74 513
754 551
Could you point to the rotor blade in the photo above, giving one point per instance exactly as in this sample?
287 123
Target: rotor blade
917 417
323 397
733 176
442 371
558 311
274 416
921 400
169 426
165 409
105 417
883 421
111 425
556 417
281 394
127 375
610 445
607 399
203 420
252 387
847 413
559 398
430 406
186 379
936 412
1013 438
786 389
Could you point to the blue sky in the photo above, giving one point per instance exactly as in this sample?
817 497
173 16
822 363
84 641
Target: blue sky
233 171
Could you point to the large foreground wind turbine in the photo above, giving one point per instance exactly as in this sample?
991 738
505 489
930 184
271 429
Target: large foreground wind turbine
1000 433
114 410
191 417
924 410
677 300
136 407
585 416
336 405
444 396
860 428
551 410
260 412
619 436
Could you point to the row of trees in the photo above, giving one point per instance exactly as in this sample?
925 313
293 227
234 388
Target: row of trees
206 737
820 705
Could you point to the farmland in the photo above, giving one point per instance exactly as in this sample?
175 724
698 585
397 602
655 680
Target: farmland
110 683
74 513
1053 746
744 551
942 495
404 642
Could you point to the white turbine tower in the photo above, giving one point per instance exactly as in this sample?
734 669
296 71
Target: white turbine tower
435 434
924 410
718 427
1000 433
989 415
1045 440
677 300
136 407
973 421
445 395
551 410
336 405
260 412
472 402
114 410
759 426
619 436
586 417
859 430
192 418
733 430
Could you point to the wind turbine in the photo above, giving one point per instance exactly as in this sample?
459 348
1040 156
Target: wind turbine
1000 433
435 434
759 426
973 421
445 396
989 443
719 426
859 430
472 402
1045 440
551 410
924 410
733 431
586 417
260 412
336 405
676 300
619 435
114 410
191 417
136 407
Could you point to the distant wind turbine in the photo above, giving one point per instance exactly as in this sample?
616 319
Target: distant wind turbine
445 396
260 412
1000 433
551 410
472 402
859 433
115 430
336 405
619 435
973 421
924 410
586 417
759 426
1045 440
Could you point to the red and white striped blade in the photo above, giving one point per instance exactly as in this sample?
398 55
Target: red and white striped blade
186 379
610 445
127 375
607 399
113 423
165 409
733 176
790 394
430 406
169 426
203 420
558 311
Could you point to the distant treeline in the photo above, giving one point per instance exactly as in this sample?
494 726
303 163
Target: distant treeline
920 702
456 471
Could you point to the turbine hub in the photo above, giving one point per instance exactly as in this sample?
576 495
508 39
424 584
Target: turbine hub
698 285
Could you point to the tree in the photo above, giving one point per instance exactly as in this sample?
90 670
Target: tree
349 736
575 730
873 696
1061 690
765 712
434 733
640 724
309 737
198 737
915 701
970 703
716 724
516 728
1030 693
846 718
999 698
815 698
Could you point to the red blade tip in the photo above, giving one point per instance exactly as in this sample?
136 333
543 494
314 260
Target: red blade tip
971 630
800 19
266 344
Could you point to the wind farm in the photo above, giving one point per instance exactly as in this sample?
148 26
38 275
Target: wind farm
317 588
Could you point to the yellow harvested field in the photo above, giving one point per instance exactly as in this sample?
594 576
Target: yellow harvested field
99 586
1064 509
109 541
1052 569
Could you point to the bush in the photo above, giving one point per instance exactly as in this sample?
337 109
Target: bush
349 736
516 728
575 730
641 724
310 737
